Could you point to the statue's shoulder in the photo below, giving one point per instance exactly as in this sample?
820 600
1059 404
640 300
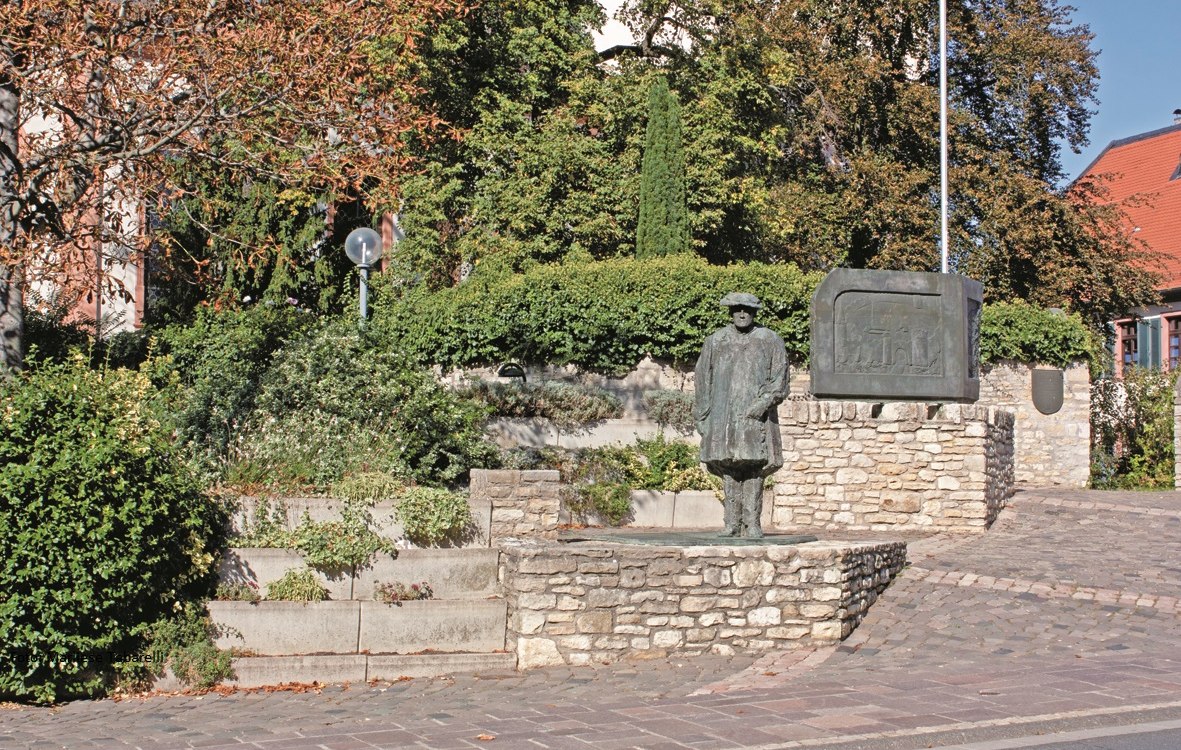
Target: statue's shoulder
716 336
766 334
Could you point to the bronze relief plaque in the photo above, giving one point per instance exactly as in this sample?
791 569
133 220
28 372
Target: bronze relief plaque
896 335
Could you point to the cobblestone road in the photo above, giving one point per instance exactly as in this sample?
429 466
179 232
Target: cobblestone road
1066 612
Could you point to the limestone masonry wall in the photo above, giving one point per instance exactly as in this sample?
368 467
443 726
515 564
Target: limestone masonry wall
597 602
524 503
866 465
1051 449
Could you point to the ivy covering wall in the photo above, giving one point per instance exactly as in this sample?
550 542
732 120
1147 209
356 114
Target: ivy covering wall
606 316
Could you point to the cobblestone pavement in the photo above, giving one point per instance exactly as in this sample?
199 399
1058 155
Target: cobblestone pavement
1064 613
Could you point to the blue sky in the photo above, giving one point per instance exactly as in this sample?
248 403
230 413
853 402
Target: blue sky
1139 67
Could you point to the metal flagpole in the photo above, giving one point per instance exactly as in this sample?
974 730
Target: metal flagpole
943 239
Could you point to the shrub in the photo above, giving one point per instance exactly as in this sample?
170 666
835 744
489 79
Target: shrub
430 515
297 585
564 404
672 466
347 543
338 402
184 642
610 500
367 487
602 316
267 527
212 370
606 316
1132 430
673 409
237 592
1021 332
102 531
396 592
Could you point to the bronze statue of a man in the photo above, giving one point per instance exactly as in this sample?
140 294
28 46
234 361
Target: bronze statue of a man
741 377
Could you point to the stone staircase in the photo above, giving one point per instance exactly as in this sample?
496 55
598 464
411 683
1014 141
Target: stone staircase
352 638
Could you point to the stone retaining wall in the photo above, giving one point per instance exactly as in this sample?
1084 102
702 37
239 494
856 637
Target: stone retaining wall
1051 449
865 465
523 503
600 602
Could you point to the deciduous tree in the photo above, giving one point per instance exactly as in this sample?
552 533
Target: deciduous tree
104 103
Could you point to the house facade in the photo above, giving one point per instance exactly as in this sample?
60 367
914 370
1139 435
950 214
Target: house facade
1143 173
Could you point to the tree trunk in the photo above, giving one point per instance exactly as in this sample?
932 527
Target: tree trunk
12 319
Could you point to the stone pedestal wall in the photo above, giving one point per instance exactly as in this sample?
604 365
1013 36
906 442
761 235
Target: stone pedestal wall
523 503
865 465
600 602
1052 449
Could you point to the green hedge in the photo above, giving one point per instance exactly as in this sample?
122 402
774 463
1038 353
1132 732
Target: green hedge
600 316
606 316
1021 332
102 530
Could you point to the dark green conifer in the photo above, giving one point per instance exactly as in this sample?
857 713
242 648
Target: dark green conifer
664 216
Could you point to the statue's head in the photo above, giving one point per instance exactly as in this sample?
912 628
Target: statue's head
743 308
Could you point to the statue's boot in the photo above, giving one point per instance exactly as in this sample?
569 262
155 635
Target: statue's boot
731 498
752 508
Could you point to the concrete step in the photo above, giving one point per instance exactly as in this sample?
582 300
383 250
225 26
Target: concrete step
326 669
468 573
292 510
538 432
656 509
356 627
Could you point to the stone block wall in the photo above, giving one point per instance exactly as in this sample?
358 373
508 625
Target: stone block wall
866 465
598 602
523 503
1052 449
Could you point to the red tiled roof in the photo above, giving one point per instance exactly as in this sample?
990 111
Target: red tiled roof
1143 167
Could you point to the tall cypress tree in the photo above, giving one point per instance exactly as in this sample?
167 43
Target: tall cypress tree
664 217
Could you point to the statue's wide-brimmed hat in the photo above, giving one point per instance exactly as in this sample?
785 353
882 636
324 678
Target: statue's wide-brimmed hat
741 299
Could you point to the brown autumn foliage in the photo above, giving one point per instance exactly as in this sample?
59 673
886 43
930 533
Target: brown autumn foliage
109 97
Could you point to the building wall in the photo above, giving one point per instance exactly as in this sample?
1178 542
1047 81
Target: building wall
1050 449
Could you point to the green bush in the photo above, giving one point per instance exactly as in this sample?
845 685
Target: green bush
184 642
339 402
297 585
102 531
431 515
602 316
671 409
564 404
1021 332
349 543
605 316
601 479
1132 430
212 370
671 465
345 544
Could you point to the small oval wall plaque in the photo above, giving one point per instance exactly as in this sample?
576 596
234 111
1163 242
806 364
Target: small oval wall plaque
1047 386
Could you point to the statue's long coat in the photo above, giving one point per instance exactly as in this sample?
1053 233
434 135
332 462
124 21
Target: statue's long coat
737 375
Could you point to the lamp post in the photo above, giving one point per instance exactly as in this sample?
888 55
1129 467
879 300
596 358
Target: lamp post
363 246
